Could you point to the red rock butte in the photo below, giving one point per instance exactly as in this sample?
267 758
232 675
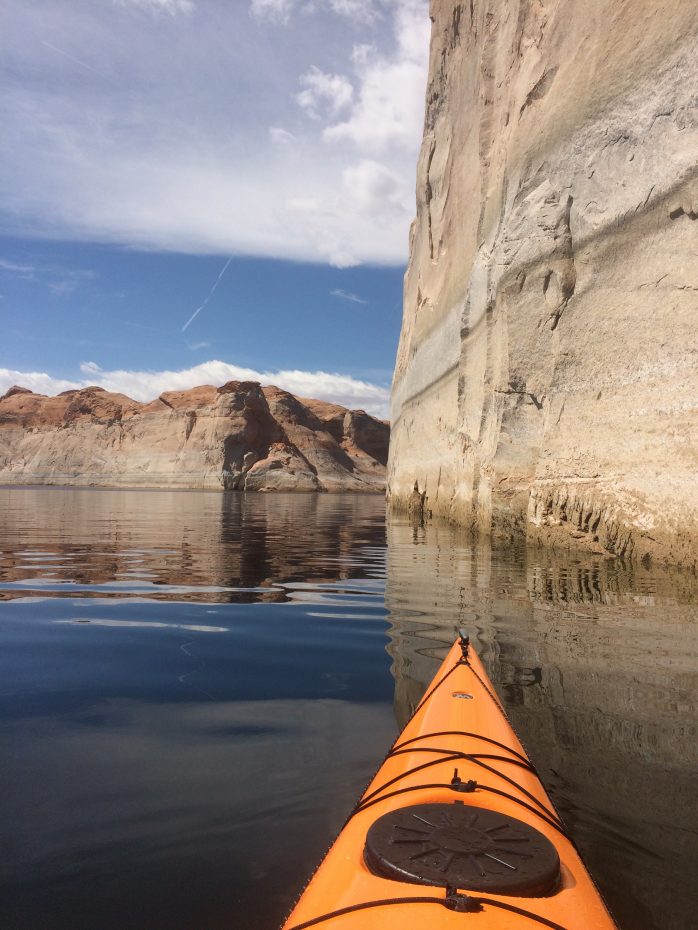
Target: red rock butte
240 436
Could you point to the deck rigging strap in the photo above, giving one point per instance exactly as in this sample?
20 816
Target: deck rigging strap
464 660
456 756
464 904
463 787
398 746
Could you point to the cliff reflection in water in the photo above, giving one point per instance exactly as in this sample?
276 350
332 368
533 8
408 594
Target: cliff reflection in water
596 664
140 648
195 688
174 545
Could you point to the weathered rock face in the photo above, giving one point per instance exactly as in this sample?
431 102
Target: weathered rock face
240 436
546 381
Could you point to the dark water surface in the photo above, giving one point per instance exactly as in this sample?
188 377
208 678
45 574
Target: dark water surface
195 687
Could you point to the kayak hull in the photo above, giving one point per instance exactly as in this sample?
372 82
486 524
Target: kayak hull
417 851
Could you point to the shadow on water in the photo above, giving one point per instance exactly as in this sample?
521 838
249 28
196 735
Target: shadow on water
596 664
195 687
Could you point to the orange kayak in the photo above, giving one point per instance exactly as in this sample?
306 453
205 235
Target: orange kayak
455 831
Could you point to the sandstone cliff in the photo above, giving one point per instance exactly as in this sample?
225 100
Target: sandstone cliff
237 437
546 380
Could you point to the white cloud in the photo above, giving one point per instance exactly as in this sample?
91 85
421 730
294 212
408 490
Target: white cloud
375 189
347 295
275 10
361 54
333 90
147 385
38 381
280 11
389 110
281 136
181 141
365 10
305 204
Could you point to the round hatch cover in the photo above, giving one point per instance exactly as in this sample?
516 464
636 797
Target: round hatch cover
464 847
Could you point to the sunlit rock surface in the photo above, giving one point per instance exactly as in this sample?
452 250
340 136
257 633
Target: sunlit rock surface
546 381
240 436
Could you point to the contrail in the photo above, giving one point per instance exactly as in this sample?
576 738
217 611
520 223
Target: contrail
83 64
346 295
211 293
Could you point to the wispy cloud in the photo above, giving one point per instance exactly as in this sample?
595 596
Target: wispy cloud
275 10
347 295
280 136
57 279
280 11
17 268
361 10
147 385
389 108
171 7
210 295
333 91
156 153
377 190
62 281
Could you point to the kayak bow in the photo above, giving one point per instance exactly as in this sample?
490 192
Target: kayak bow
455 832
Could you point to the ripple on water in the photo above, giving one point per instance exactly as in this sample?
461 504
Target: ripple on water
194 684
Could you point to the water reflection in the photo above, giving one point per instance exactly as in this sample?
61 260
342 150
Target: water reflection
178 815
596 663
194 688
173 545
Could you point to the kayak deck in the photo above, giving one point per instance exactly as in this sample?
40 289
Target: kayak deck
454 831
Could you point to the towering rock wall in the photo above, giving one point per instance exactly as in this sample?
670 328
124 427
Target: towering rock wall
547 375
240 436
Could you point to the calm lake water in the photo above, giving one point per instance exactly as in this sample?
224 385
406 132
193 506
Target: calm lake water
195 687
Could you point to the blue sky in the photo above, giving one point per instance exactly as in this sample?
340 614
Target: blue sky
149 145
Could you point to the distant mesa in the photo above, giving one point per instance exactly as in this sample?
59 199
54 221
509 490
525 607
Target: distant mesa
15 389
240 436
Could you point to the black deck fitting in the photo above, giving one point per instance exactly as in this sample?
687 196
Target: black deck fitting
457 784
464 643
462 903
